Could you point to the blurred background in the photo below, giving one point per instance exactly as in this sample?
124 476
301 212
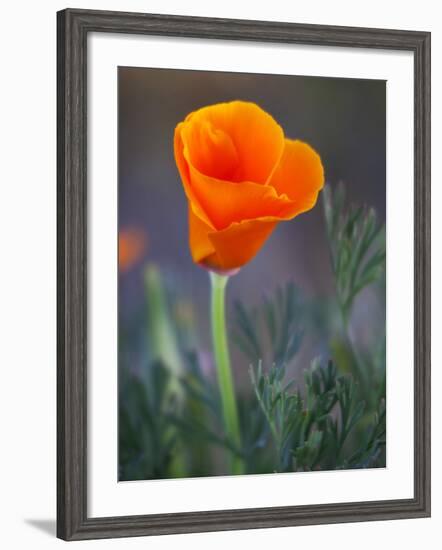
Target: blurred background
344 120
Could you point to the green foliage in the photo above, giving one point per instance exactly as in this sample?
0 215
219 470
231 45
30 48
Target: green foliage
357 246
357 252
282 410
202 418
170 413
201 426
255 436
270 330
370 450
146 442
310 432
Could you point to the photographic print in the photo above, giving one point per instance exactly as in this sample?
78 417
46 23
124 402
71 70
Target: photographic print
233 286
251 322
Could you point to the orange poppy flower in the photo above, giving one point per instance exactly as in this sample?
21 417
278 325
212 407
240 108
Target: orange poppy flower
241 177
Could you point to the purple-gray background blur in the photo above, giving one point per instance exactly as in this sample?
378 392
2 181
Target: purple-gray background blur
343 119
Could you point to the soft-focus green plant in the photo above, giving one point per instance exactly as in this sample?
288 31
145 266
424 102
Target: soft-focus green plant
311 432
271 331
356 242
162 336
357 246
170 410
201 421
147 445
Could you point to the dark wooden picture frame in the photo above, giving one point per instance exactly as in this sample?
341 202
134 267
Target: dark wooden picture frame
73 27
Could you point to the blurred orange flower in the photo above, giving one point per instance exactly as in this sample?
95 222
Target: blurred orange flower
241 177
131 247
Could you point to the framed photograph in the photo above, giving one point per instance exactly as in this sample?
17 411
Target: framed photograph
243 274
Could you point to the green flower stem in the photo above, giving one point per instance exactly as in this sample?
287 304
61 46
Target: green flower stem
222 360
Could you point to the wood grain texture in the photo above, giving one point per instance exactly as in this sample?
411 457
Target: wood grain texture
72 29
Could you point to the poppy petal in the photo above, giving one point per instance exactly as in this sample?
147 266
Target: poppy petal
237 141
183 169
241 177
239 243
225 202
200 245
299 175
211 150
